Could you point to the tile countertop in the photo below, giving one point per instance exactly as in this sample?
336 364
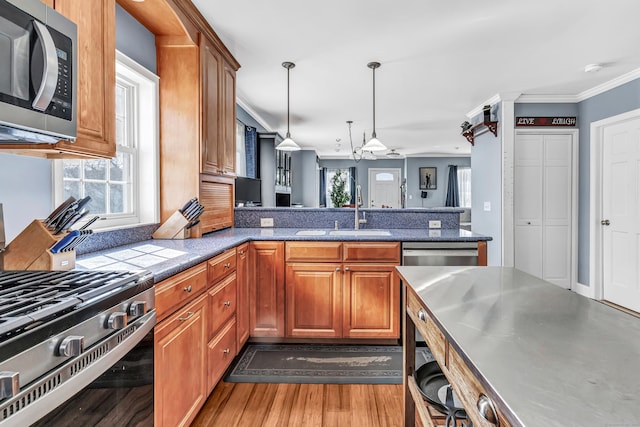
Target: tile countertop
164 258
554 358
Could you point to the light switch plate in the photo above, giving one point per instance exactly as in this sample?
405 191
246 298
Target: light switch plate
434 224
266 222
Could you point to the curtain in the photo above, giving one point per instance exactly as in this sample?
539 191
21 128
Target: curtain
323 187
452 187
251 150
352 187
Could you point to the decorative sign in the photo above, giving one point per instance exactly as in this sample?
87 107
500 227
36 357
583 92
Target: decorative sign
545 121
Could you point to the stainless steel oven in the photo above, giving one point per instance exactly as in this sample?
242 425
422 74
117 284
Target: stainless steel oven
38 67
76 348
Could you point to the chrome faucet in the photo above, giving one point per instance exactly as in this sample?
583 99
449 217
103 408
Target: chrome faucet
358 200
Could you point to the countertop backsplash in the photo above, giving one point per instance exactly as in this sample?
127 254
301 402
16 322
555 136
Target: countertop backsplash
249 217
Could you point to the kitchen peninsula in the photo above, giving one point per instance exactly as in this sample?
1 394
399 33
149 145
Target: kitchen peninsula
542 356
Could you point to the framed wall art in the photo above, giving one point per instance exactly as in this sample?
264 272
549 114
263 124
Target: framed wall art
428 178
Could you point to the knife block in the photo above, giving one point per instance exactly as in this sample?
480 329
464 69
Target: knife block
30 251
173 228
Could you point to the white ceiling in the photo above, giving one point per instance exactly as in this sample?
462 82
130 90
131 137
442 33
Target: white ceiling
440 60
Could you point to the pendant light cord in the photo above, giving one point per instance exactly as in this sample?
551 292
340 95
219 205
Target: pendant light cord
373 135
288 71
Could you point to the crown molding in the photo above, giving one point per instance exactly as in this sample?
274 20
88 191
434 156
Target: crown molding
584 95
611 84
253 114
478 110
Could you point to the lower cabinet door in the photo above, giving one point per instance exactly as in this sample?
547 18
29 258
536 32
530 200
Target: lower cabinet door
314 300
180 365
221 351
371 301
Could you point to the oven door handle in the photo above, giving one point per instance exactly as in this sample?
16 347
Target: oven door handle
49 79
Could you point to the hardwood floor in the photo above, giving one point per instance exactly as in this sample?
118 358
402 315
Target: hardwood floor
308 405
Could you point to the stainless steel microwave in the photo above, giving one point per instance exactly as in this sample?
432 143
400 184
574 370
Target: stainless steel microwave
38 68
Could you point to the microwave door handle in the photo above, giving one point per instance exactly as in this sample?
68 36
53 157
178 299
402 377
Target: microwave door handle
49 70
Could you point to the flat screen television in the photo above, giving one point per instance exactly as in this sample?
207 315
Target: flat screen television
248 191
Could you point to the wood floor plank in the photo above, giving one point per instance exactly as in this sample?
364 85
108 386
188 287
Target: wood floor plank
280 411
305 405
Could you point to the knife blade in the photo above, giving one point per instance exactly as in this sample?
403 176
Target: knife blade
91 221
68 221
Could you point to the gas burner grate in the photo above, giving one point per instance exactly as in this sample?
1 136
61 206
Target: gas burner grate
33 297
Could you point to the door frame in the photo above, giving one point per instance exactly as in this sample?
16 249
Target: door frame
595 289
574 193
399 170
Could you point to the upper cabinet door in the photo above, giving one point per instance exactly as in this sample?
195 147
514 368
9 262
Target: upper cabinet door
96 76
228 149
211 132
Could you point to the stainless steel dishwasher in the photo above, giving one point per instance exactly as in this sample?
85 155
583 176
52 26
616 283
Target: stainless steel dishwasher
439 253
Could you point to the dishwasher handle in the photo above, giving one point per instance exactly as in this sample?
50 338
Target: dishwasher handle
439 252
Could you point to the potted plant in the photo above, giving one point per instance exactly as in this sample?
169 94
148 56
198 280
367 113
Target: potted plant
339 195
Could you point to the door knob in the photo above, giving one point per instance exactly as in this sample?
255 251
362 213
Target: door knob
605 222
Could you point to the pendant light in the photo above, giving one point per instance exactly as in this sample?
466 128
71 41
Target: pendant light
374 143
288 144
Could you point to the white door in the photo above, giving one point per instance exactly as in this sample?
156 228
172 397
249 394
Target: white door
543 206
384 187
620 213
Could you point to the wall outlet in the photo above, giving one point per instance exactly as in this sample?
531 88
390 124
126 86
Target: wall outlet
487 206
434 224
266 222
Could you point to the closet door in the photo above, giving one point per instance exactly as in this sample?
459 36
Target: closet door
543 206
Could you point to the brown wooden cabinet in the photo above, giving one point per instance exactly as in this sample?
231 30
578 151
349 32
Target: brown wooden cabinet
371 301
314 300
342 290
267 291
222 303
180 365
242 286
95 104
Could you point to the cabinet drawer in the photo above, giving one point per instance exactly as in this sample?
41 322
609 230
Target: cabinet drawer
313 252
221 265
388 252
222 303
177 290
469 391
428 329
222 350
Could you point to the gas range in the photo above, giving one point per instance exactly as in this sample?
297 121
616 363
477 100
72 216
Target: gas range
60 330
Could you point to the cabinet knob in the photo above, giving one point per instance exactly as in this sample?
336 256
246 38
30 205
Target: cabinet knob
188 288
487 410
337 268
346 269
227 303
226 351
605 222
227 265
422 315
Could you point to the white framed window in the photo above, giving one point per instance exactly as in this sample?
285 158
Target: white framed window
464 186
124 190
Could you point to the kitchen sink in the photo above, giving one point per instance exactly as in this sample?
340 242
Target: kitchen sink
359 233
311 233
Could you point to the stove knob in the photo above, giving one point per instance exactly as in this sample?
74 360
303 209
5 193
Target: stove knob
117 320
9 384
137 308
73 345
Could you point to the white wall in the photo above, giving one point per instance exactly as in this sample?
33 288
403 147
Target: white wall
25 191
